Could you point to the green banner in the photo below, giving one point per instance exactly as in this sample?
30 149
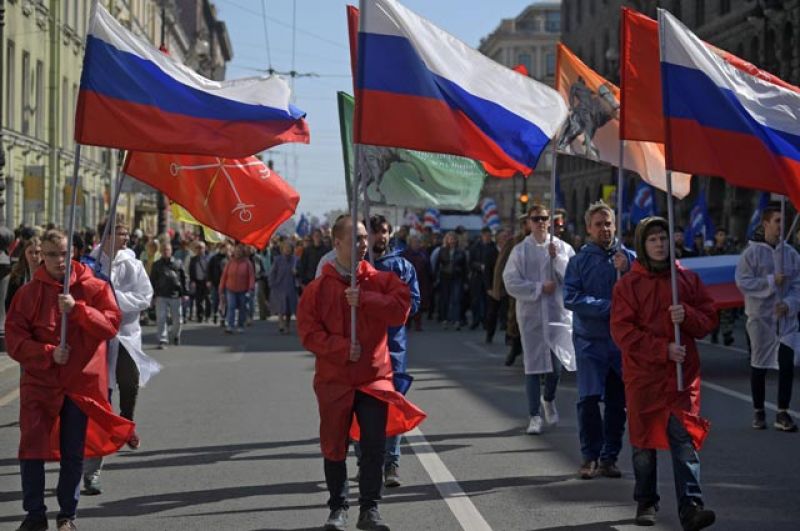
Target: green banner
408 178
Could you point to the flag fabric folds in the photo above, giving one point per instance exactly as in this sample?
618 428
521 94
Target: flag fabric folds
134 97
724 120
491 217
419 87
755 219
592 129
643 204
241 198
700 221
409 178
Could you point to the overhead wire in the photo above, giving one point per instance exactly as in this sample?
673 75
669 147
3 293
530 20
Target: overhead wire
266 32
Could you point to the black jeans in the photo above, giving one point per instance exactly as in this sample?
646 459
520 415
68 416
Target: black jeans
201 300
371 415
758 380
128 382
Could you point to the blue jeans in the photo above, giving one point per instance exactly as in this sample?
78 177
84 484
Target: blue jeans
685 466
533 388
601 435
236 301
454 301
72 439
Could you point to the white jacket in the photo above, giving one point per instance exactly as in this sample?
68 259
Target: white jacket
544 324
755 278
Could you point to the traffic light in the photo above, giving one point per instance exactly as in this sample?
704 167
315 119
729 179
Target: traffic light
523 202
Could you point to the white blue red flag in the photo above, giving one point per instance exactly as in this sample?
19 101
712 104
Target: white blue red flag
491 217
431 219
418 87
726 118
643 204
133 96
755 219
700 221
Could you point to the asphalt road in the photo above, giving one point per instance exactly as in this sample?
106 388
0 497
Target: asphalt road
229 441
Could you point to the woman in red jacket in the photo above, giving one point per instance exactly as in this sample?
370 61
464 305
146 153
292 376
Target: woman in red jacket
64 409
660 416
238 278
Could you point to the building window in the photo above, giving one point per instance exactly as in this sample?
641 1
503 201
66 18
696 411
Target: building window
10 82
26 92
724 7
39 110
699 13
525 59
553 22
550 62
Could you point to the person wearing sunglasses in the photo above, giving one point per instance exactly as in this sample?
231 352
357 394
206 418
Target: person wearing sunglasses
534 276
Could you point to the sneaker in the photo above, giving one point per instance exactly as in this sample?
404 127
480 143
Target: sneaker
535 425
91 485
65 524
609 470
228 330
390 477
550 412
588 469
785 422
176 341
646 514
162 345
337 520
370 520
33 524
695 517
511 357
240 330
760 420
134 442
727 339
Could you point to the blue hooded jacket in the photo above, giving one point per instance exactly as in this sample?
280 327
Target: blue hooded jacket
394 262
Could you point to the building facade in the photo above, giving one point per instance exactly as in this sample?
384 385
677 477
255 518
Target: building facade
528 39
764 32
42 49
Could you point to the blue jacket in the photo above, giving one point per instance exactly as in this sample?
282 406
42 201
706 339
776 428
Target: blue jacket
401 267
588 284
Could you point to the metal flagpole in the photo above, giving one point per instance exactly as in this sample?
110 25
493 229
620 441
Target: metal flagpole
672 272
354 246
620 173
70 233
553 199
119 177
781 248
366 221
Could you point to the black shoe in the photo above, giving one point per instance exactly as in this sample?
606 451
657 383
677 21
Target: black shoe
646 514
176 341
511 357
609 470
474 326
714 338
489 339
695 517
370 520
337 520
784 422
33 524
391 478
727 339
760 420
588 469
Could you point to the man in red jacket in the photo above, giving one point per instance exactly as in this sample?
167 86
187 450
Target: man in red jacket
355 378
64 408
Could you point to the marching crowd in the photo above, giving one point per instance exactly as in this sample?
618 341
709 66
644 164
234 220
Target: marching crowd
602 309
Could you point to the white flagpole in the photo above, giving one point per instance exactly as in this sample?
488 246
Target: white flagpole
70 233
119 178
354 246
553 199
620 173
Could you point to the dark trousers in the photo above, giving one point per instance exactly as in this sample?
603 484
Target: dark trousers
73 437
758 380
201 301
128 382
371 415
495 310
601 435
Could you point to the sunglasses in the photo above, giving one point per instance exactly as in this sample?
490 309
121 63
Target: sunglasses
539 219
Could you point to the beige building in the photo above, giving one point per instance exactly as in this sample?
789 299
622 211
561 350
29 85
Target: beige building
43 54
528 39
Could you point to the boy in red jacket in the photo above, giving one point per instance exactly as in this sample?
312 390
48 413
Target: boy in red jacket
64 408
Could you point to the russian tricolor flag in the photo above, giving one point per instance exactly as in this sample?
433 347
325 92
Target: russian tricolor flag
134 97
418 87
726 118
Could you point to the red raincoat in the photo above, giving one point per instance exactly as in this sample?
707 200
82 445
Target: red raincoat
641 327
33 331
323 323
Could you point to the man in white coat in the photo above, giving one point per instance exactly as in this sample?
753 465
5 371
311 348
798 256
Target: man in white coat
129 368
534 276
768 274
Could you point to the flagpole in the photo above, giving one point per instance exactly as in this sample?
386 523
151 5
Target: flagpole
354 246
673 272
366 222
781 245
70 233
119 178
553 198
620 173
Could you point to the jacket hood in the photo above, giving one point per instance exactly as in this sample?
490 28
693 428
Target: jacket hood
125 255
365 271
78 274
639 237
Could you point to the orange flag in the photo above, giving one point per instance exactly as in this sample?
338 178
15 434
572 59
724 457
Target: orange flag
241 198
593 127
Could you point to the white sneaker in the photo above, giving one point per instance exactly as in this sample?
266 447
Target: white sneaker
535 426
550 412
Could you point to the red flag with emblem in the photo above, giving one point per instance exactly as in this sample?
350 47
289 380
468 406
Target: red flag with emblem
241 198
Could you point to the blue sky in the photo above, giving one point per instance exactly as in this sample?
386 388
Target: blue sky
321 47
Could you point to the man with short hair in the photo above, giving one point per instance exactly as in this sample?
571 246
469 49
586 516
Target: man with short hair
62 388
354 378
216 265
169 286
588 285
199 283
768 274
482 255
310 259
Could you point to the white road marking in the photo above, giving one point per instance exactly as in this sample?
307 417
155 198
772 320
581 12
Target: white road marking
10 397
451 492
742 396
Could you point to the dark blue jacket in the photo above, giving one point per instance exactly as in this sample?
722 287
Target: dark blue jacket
401 267
588 284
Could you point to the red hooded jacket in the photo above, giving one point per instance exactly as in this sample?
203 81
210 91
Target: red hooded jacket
33 331
641 327
323 323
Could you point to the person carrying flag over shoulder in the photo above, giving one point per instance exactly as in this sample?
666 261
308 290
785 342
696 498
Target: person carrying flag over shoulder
354 378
